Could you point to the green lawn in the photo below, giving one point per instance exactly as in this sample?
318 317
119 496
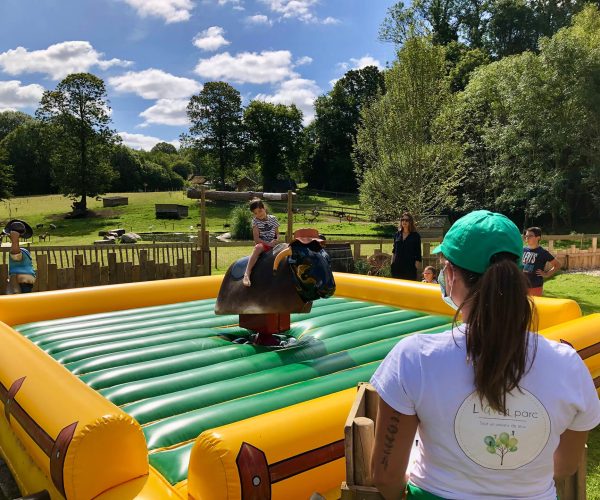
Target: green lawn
586 291
139 216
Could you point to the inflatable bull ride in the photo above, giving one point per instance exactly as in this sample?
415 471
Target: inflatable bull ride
141 391
285 280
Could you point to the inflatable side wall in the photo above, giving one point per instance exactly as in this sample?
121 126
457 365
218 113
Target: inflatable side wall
78 443
293 452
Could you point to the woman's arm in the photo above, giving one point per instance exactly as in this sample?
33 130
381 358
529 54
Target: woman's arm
568 453
394 436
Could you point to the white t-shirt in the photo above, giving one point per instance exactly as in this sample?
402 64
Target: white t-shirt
465 450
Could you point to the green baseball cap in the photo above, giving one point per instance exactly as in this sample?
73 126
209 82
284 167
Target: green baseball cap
475 238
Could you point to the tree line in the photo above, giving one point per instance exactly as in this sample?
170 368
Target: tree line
519 135
488 104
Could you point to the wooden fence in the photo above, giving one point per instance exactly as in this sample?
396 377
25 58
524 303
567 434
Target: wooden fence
90 265
584 254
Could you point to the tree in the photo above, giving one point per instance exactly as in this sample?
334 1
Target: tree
183 168
164 147
528 126
216 117
128 167
6 181
10 120
403 167
338 116
79 114
26 151
438 18
275 133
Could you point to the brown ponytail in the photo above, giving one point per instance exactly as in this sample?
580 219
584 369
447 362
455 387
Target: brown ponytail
501 314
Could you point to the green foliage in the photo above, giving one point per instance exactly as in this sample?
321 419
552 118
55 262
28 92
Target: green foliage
500 27
126 163
183 168
10 120
216 117
164 147
527 129
331 137
275 135
241 223
26 152
6 179
361 266
403 167
78 113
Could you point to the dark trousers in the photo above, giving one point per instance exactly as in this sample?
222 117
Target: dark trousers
405 274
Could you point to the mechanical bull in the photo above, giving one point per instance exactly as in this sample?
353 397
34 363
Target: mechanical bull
285 280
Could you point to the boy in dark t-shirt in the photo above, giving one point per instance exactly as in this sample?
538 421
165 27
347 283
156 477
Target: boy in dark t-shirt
535 259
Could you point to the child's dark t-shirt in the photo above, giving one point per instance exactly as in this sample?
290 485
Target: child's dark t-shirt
534 259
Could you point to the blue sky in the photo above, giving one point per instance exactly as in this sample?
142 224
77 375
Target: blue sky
154 54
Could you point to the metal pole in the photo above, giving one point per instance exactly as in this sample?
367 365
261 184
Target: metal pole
290 213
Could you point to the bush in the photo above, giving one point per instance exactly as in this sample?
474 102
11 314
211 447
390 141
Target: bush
361 266
241 223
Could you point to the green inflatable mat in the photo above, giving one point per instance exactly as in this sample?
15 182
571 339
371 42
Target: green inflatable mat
176 369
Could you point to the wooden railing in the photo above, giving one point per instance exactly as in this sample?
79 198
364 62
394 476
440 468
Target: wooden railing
90 265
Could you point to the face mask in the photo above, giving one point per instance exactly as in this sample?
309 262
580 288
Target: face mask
445 296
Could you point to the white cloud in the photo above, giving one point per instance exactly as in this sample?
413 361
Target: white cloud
145 142
13 95
172 11
298 9
57 61
359 63
211 38
166 112
155 84
237 4
298 91
304 60
248 67
259 19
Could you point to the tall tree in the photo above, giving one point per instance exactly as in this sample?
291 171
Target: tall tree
128 168
329 164
10 120
275 133
6 181
26 149
529 126
164 147
216 117
403 164
438 18
79 113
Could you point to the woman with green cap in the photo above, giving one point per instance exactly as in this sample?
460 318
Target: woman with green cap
499 410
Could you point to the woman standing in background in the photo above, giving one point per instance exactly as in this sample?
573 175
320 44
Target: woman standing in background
407 249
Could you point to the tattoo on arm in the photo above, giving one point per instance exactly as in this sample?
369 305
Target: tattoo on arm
390 437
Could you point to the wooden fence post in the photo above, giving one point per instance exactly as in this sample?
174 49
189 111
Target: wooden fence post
42 272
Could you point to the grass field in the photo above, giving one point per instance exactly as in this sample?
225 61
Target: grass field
139 216
586 291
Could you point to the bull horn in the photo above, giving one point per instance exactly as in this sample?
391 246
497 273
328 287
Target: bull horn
280 256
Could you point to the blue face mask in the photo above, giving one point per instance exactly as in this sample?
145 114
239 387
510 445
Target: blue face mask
445 296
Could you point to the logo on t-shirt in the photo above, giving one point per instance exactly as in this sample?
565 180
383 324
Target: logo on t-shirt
505 440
